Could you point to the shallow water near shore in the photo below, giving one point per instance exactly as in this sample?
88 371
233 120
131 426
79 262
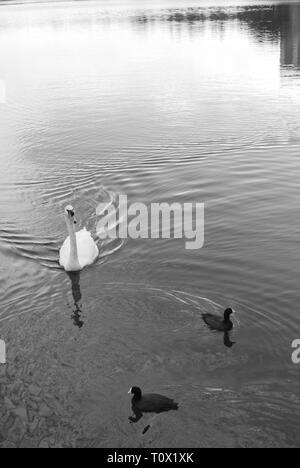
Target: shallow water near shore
162 103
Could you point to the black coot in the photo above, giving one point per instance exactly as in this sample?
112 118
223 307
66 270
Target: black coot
218 323
150 403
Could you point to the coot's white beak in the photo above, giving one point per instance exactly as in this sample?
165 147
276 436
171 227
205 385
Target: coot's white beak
130 391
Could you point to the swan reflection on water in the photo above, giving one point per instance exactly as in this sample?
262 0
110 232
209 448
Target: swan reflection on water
77 296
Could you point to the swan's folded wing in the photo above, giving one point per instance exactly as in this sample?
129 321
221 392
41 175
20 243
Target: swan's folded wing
64 253
87 248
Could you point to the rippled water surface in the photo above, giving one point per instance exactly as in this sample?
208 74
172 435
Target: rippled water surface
161 102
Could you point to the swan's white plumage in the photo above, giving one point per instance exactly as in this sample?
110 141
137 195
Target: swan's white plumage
88 251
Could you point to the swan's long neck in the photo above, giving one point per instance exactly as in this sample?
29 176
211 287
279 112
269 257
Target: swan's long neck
73 260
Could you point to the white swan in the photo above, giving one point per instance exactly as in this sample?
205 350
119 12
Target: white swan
79 249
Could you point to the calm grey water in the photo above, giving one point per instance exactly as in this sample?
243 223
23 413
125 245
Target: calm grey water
161 101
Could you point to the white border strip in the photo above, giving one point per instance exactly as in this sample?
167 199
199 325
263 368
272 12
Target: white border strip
2 92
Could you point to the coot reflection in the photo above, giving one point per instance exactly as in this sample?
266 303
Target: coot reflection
227 341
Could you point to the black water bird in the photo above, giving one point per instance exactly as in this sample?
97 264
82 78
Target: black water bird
149 403
219 323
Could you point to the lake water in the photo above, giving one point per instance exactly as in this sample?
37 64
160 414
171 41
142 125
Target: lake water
161 101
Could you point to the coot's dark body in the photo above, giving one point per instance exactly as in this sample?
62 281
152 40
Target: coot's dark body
153 403
150 403
218 323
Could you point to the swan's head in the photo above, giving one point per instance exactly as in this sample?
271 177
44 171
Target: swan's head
70 214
